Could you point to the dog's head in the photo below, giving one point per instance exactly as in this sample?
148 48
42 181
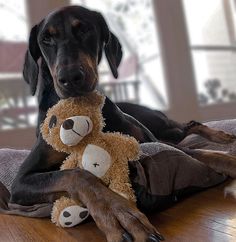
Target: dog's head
71 41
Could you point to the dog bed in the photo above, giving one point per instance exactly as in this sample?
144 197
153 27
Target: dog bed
161 177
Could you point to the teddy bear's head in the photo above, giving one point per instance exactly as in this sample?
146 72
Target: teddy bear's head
73 122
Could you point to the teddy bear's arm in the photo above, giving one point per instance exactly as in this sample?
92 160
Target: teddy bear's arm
123 189
123 145
71 162
120 182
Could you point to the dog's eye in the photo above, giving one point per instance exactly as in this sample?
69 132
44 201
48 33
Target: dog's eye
84 28
48 40
52 122
81 28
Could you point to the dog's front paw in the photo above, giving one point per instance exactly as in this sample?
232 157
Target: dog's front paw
72 215
224 137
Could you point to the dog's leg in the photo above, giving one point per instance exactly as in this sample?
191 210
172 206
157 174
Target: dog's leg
211 134
114 215
219 161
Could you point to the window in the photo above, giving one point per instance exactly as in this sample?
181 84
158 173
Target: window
16 27
17 107
197 40
211 28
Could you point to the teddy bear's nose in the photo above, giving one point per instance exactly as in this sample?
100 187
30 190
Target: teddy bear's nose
68 124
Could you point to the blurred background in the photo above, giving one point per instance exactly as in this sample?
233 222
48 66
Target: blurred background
179 57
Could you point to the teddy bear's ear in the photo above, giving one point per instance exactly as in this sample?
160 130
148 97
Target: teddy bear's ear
97 99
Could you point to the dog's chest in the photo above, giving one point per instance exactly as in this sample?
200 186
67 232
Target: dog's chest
96 160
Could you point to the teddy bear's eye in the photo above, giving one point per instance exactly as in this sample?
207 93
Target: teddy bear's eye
52 122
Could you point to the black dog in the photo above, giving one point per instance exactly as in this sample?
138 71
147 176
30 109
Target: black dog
70 43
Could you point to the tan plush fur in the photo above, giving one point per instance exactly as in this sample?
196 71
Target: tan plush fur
121 148
89 105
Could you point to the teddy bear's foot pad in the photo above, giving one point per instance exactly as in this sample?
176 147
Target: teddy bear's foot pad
73 215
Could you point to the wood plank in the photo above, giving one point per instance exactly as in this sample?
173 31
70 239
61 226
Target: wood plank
207 216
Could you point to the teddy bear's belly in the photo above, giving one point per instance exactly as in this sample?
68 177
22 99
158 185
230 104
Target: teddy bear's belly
96 160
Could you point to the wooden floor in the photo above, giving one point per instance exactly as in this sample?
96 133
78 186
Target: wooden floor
204 217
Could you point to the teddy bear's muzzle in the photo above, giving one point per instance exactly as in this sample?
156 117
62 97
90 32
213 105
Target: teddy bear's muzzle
74 129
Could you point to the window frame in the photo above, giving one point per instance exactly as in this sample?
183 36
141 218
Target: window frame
178 67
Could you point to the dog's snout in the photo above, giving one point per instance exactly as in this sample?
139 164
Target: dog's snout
68 124
71 77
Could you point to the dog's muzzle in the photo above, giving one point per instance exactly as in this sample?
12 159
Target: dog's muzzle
74 129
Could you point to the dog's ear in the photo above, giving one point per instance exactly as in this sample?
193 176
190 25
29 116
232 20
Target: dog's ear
31 69
113 53
112 46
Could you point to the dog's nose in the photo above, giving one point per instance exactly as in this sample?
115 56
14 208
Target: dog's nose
68 124
63 82
71 77
78 76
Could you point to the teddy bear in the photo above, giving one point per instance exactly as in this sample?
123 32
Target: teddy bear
74 126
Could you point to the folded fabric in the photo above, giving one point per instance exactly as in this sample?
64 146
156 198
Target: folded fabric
167 175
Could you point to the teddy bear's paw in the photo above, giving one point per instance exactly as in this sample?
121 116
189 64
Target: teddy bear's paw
72 215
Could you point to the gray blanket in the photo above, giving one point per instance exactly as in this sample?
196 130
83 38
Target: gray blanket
10 161
161 172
